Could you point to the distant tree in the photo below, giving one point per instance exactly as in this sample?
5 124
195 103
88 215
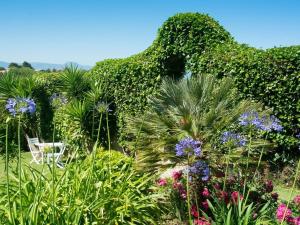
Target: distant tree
14 65
2 68
27 64
53 70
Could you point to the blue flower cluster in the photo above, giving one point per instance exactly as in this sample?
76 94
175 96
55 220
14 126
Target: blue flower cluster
58 99
262 123
20 105
234 138
200 168
188 146
103 107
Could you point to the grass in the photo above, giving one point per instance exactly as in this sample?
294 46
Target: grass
284 192
26 159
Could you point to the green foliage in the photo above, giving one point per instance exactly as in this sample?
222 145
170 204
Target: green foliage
192 42
130 81
27 64
271 77
201 107
87 192
73 83
13 65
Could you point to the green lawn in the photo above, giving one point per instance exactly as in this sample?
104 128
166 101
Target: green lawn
26 158
284 192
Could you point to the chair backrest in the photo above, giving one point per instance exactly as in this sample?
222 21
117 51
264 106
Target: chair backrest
31 142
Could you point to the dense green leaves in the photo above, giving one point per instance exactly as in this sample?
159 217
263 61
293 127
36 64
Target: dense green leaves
196 43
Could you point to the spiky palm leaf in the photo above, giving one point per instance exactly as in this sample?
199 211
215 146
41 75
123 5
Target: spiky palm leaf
73 82
15 85
198 107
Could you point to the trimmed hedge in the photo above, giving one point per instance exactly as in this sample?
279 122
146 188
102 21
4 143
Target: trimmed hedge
196 43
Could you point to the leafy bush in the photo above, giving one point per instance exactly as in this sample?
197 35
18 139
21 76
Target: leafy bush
130 81
101 190
271 77
201 107
192 42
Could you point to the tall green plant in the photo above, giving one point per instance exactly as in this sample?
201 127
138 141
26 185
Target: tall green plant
199 107
129 198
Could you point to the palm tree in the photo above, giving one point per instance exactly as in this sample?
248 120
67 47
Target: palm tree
73 82
199 107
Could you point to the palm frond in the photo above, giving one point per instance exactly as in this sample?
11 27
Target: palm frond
199 107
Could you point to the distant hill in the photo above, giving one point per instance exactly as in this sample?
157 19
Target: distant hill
45 66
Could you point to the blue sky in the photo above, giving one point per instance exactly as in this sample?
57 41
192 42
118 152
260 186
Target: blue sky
87 31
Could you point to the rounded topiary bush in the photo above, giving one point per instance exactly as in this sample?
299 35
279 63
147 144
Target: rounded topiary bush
196 43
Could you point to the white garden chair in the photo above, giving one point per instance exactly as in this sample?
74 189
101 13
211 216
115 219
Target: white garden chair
37 154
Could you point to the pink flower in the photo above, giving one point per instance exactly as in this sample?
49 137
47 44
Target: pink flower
280 212
183 193
223 195
201 221
194 211
235 197
217 186
177 185
205 193
177 175
297 220
162 182
297 200
205 205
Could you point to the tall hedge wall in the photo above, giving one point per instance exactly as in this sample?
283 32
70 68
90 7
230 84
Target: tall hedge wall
196 43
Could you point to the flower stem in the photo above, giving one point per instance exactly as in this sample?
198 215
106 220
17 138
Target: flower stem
6 167
248 156
292 191
20 168
53 175
187 193
93 121
99 128
109 149
226 169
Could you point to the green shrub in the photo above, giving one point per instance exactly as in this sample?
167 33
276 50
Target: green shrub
201 107
130 81
196 43
271 77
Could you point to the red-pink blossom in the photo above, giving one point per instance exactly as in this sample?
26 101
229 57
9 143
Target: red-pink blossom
162 182
201 221
205 193
177 175
235 196
194 211
223 195
297 200
183 193
177 185
280 212
205 205
297 220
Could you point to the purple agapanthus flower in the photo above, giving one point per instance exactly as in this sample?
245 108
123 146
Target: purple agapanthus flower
263 123
200 168
188 146
20 105
236 139
58 100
